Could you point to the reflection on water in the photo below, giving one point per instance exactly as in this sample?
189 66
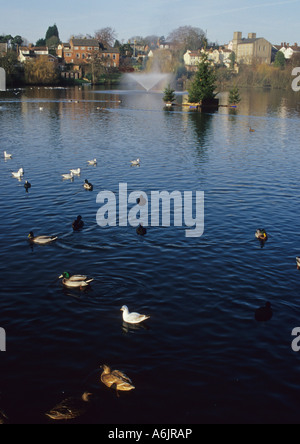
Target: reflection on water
201 357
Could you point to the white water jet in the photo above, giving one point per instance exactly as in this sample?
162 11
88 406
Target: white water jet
149 80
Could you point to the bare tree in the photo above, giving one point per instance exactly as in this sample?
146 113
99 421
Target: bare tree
106 36
188 37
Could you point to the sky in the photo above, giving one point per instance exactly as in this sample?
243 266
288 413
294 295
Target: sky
277 21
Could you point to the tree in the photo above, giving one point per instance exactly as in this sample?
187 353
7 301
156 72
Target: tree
41 72
41 42
52 32
106 37
279 60
234 96
188 37
10 63
203 85
169 95
232 58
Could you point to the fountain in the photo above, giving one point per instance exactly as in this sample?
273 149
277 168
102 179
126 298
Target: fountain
149 80
2 80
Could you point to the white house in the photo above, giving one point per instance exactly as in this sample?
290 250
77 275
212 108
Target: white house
288 50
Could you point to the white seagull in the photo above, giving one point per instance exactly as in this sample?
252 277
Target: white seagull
7 156
76 172
132 318
67 176
135 162
19 174
92 162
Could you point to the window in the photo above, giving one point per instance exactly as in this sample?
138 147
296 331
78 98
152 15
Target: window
78 56
76 48
114 56
83 56
83 48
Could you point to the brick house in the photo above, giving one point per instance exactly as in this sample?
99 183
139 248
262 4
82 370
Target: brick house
80 51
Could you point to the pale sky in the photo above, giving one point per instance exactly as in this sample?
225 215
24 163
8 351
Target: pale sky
277 21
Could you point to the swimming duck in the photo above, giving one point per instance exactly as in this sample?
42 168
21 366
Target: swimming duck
70 408
261 235
135 162
41 240
251 130
7 156
76 281
27 186
76 172
78 224
141 231
264 314
87 185
298 262
132 318
92 162
116 379
67 176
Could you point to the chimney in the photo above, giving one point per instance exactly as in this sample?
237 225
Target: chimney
296 45
288 45
252 35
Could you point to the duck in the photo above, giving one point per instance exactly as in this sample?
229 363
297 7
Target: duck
78 224
41 108
7 156
298 262
19 174
133 318
41 240
261 235
27 186
76 172
75 281
135 162
264 314
70 408
251 130
116 379
87 185
141 231
92 162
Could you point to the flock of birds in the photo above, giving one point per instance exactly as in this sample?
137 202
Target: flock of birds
71 408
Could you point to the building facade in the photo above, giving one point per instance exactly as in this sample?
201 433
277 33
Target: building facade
81 51
251 50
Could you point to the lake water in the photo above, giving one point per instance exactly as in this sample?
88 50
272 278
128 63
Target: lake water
202 357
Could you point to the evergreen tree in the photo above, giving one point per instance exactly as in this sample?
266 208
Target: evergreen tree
279 60
52 32
203 85
169 95
234 96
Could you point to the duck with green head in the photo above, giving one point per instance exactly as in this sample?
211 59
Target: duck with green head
75 281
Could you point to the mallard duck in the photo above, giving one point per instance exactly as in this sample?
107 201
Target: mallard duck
76 281
87 185
7 156
141 231
67 176
41 240
261 235
116 379
298 262
92 162
27 186
70 408
135 162
264 314
251 130
76 172
132 318
78 224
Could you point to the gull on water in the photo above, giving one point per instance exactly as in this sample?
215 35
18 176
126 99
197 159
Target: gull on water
132 318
